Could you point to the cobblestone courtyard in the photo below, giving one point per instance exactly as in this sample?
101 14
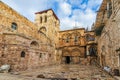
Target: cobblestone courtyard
60 72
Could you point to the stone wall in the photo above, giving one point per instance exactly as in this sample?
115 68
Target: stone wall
23 46
28 45
67 38
108 41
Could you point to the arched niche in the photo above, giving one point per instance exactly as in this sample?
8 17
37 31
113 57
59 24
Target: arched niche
23 54
34 44
14 26
76 36
92 50
42 29
66 37
90 37
66 53
75 52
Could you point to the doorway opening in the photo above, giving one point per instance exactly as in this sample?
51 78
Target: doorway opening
67 60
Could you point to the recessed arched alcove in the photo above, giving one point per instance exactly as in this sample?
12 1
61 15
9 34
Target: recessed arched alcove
34 44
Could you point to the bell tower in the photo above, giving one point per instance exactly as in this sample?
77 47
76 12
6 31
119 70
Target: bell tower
48 23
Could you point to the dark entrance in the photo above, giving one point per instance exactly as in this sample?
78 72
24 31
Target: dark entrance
67 59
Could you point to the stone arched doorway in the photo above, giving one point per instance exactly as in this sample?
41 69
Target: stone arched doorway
92 51
75 55
71 56
66 57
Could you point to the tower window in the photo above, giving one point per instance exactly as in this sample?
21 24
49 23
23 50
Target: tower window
55 24
49 55
40 55
14 26
22 54
45 18
40 19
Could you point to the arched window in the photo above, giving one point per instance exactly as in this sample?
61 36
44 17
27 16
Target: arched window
14 26
68 37
22 54
40 55
76 39
76 35
67 40
49 55
90 37
45 18
42 29
92 51
40 19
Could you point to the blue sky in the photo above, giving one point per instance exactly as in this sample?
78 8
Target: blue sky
70 12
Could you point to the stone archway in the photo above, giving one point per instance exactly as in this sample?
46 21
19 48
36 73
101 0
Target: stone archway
92 51
42 29
66 57
75 55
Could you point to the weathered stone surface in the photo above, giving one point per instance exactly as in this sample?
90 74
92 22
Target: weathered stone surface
74 45
72 71
25 46
109 40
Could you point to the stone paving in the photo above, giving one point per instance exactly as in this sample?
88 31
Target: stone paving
61 72
70 72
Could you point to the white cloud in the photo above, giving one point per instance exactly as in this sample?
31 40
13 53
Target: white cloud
67 23
82 19
12 4
28 8
83 6
64 10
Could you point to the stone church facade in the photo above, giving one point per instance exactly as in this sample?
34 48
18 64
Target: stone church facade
75 45
107 28
27 45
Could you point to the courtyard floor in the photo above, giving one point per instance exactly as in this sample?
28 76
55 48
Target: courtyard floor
60 72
